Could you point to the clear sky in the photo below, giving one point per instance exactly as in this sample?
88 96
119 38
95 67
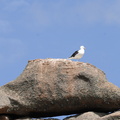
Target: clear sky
32 29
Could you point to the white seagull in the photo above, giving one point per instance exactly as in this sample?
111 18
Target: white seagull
78 54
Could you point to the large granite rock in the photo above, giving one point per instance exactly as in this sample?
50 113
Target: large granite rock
50 87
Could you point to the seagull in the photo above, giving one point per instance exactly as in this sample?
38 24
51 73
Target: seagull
78 54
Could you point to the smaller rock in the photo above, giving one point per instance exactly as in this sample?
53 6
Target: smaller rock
96 116
87 116
7 118
112 116
38 119
4 117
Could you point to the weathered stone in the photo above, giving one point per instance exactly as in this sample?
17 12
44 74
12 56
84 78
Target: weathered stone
50 87
112 116
86 116
96 116
3 117
37 119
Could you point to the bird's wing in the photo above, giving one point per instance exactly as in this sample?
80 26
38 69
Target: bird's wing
73 55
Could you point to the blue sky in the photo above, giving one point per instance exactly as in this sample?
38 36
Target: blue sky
32 29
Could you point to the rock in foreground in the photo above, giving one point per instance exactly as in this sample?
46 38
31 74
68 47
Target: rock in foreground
84 116
96 116
50 87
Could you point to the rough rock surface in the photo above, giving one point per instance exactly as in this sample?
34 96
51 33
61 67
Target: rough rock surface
50 87
87 116
83 116
37 119
9 118
112 116
96 116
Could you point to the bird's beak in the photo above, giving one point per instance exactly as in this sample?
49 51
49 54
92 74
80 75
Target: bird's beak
84 48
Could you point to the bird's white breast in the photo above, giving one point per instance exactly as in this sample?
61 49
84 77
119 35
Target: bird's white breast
78 56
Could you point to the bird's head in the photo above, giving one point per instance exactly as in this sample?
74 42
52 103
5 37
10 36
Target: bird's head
82 47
